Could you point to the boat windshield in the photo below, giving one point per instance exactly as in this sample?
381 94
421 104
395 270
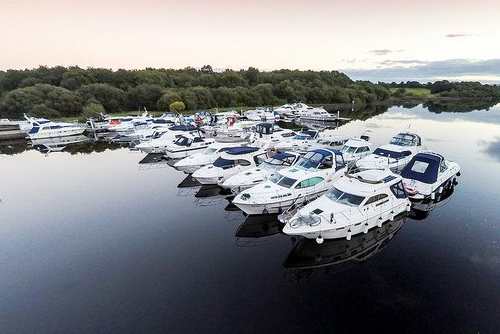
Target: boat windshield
403 140
182 141
301 137
344 198
209 151
271 164
282 180
311 160
224 163
348 149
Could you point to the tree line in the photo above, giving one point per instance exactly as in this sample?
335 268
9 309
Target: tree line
446 88
70 91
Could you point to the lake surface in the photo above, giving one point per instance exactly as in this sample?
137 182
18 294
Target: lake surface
95 242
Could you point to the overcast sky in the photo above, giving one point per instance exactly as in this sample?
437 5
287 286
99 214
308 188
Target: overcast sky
374 40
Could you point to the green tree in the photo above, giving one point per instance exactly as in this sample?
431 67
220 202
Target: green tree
166 99
177 106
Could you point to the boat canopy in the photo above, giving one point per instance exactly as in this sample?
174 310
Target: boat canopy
283 156
424 167
264 128
393 154
183 128
406 139
242 150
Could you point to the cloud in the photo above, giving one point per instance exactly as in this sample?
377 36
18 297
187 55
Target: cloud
487 71
457 35
383 52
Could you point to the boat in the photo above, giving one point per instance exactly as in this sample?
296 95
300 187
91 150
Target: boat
327 142
48 129
394 155
261 114
208 156
270 135
308 254
261 173
231 162
428 174
355 204
300 139
318 114
309 178
355 149
158 143
420 210
187 145
294 111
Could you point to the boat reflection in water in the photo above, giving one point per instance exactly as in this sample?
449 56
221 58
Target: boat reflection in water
307 254
421 210
56 144
259 226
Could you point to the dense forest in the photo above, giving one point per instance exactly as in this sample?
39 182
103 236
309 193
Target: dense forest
60 91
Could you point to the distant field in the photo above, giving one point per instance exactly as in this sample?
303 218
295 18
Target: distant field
414 91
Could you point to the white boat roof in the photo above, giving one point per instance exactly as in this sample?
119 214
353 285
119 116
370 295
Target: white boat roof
357 142
394 148
366 182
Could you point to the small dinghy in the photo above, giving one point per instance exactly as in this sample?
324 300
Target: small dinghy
428 175
355 204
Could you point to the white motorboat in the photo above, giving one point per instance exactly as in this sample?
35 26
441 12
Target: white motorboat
187 145
24 126
268 135
355 204
428 175
318 114
309 178
261 173
294 111
327 142
231 162
355 149
196 161
159 143
300 139
260 114
394 155
48 129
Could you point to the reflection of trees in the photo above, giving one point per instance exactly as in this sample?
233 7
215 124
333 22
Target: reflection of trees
458 105
88 147
365 113
11 147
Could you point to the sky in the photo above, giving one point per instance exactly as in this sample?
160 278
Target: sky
382 40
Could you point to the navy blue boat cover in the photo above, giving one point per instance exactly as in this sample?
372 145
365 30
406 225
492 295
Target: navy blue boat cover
242 150
430 174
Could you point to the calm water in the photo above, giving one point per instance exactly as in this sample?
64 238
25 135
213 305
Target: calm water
96 243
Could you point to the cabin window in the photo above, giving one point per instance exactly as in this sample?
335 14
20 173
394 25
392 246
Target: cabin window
286 135
282 180
344 198
399 190
309 182
259 158
419 167
242 162
209 151
348 149
442 167
376 198
198 140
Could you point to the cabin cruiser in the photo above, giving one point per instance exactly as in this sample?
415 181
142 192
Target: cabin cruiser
260 114
208 156
309 254
231 162
327 142
159 143
269 135
298 140
355 204
295 111
428 174
309 178
48 129
24 126
394 155
187 145
318 114
355 149
261 173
